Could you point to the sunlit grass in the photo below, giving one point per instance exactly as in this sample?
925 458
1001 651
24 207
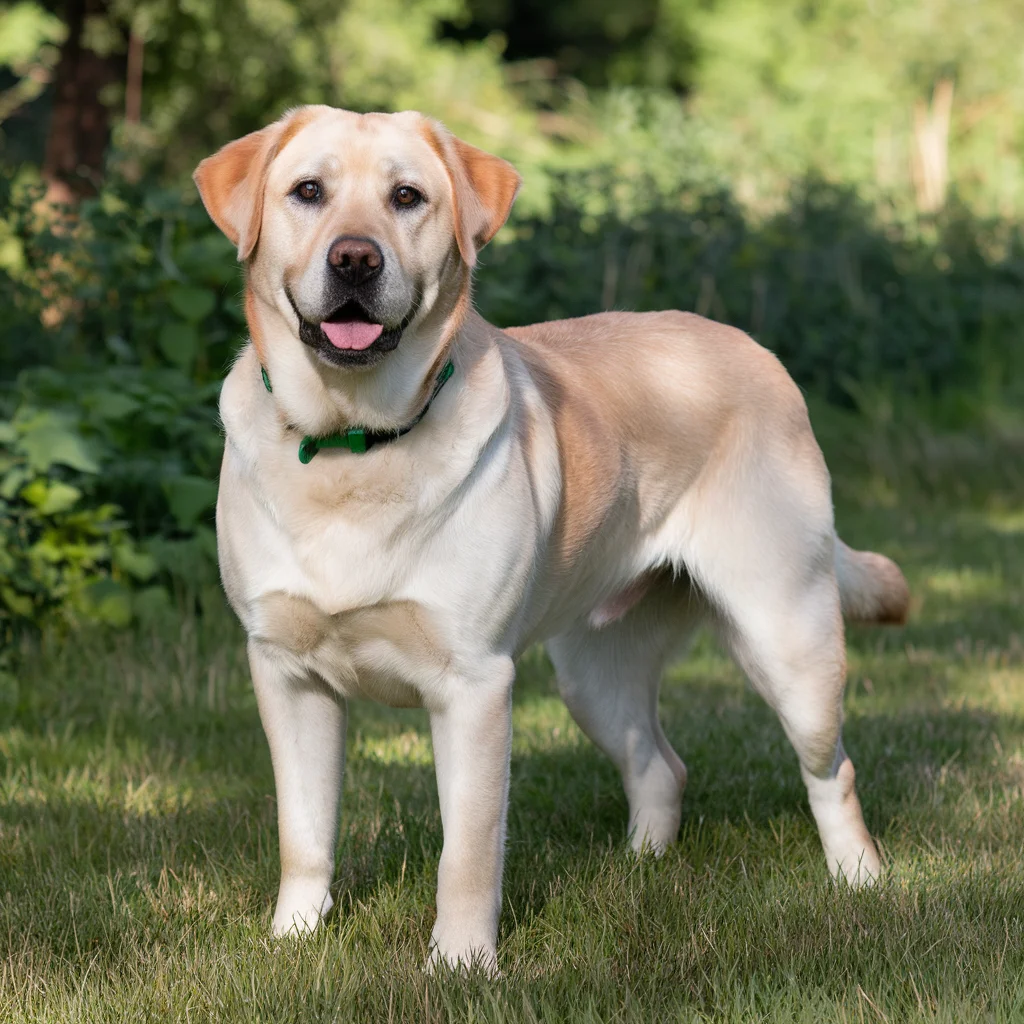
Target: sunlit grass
138 860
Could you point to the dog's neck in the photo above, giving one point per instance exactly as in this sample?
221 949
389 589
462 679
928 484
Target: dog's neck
318 399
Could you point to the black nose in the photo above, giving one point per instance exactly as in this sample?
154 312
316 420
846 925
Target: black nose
355 260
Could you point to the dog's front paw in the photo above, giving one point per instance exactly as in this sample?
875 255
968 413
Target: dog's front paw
463 956
301 906
860 868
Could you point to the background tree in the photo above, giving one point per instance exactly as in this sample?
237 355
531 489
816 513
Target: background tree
841 178
765 91
92 63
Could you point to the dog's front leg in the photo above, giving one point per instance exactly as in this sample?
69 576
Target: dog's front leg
305 726
472 737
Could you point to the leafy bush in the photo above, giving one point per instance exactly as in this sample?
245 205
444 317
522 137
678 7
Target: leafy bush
63 556
846 300
154 432
136 277
133 305
110 451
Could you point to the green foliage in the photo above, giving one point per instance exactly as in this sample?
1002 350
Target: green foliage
135 303
746 160
136 276
831 86
779 89
80 448
155 434
846 300
215 70
63 558
776 89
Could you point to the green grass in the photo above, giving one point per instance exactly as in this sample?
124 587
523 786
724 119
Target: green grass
138 850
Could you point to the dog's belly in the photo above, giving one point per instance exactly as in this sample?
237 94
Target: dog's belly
388 652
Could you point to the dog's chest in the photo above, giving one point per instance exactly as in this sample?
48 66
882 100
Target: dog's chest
390 652
382 583
330 588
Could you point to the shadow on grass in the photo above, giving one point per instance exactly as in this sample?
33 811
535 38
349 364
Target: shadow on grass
65 846
136 782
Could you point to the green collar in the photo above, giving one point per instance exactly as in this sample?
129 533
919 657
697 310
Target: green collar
359 439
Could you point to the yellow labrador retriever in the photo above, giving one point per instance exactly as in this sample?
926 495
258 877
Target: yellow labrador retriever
410 497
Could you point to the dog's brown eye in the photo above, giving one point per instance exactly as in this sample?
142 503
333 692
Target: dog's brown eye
308 191
406 195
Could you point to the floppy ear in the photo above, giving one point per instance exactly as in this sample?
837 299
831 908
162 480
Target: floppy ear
483 190
231 184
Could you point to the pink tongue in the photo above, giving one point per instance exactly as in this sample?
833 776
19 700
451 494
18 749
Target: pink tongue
352 334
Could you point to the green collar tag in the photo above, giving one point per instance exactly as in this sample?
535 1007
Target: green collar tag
353 440
359 439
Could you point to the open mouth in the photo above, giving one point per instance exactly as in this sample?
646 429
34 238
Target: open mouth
351 329
350 337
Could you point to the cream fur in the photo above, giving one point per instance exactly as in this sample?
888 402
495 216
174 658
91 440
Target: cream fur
603 484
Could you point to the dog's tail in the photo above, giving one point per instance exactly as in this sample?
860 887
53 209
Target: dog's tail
871 587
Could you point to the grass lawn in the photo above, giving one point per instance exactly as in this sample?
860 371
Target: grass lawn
138 839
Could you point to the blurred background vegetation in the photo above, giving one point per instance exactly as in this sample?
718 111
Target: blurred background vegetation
844 179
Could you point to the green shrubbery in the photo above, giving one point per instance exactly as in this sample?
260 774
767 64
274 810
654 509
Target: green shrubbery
119 323
123 320
65 553
846 299
133 277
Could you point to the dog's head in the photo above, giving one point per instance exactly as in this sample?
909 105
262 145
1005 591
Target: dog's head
356 228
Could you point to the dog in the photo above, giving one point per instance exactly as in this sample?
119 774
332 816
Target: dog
410 497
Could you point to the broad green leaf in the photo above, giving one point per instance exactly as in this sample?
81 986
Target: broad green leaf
109 602
112 405
189 497
35 493
54 548
8 432
49 441
50 549
179 342
192 304
192 560
13 480
51 497
134 562
18 603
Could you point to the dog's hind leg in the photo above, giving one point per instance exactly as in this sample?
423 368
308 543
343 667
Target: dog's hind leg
609 678
792 649
765 559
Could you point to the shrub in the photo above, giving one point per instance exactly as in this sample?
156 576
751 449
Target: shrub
154 432
134 277
845 299
121 319
63 557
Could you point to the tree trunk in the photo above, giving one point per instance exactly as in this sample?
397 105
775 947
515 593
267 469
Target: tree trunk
133 83
80 124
